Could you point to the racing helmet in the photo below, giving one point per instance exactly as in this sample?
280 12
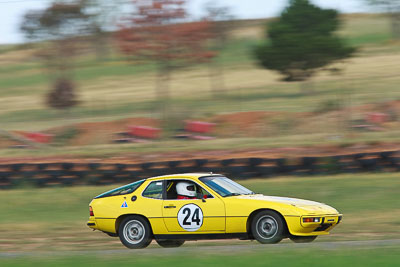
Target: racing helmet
186 189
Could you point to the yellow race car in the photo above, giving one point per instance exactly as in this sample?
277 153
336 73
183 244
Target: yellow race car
175 208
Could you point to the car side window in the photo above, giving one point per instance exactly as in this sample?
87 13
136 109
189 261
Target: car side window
154 190
124 190
172 192
205 193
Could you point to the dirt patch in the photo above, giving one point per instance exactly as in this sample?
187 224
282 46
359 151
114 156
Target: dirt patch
92 133
7 143
249 124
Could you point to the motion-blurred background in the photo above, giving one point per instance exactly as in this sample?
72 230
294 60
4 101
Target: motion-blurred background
95 93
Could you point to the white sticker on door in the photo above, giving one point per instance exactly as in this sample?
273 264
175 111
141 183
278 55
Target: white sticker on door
190 217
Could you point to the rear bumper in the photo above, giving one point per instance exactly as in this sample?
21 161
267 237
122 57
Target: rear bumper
92 223
102 224
297 227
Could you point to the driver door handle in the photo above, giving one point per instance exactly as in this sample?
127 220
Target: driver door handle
170 207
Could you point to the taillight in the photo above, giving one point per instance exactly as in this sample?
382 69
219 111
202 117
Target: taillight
91 211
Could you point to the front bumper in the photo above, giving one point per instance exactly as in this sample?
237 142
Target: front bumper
327 222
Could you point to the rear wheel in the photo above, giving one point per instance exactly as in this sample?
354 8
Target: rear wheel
302 239
170 243
268 227
135 232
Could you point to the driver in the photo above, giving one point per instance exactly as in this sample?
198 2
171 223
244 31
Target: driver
186 190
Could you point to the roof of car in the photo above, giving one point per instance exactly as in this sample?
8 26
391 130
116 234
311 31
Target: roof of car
184 175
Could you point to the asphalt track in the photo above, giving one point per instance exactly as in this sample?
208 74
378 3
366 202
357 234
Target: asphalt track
214 249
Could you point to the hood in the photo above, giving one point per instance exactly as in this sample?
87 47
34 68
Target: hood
310 206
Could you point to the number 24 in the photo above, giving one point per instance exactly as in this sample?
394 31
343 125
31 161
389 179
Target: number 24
195 217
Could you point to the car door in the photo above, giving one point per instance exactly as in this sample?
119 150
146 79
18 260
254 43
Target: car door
193 215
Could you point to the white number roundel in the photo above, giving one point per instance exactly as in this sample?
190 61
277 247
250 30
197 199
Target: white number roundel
190 217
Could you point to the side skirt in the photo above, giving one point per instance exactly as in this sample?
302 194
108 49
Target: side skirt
242 236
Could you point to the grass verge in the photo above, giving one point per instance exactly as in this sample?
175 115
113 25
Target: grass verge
54 219
356 257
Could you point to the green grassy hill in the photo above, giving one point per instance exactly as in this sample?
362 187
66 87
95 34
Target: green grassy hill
115 88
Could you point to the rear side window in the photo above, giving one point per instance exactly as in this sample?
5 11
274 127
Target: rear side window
154 190
123 190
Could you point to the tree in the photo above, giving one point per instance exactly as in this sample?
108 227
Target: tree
158 32
57 31
392 8
302 41
103 16
63 95
221 20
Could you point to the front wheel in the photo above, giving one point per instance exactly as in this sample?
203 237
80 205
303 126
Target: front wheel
268 227
303 239
170 243
135 232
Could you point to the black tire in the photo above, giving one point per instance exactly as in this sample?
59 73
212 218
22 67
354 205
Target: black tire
135 232
170 243
303 239
268 227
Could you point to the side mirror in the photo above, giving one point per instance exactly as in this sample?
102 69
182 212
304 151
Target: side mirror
204 198
200 196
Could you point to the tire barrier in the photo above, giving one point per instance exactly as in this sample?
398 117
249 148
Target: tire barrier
120 167
281 166
95 173
67 166
254 162
146 166
200 163
42 166
16 167
5 182
331 165
93 166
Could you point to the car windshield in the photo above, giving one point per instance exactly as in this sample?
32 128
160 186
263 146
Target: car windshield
225 187
123 190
